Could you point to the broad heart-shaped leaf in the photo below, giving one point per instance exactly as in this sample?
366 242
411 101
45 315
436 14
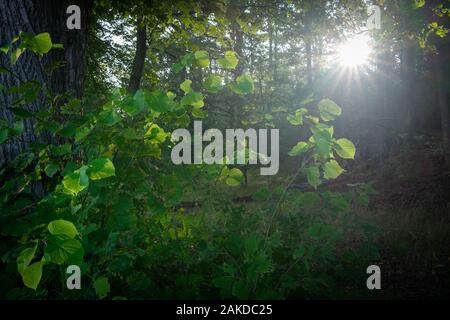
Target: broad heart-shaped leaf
139 100
198 113
298 148
101 286
233 177
229 61
345 148
25 257
184 62
109 117
243 85
100 169
201 58
186 86
297 119
313 176
194 99
322 139
155 134
62 227
32 274
15 54
133 105
329 110
51 168
213 83
76 182
42 43
61 250
332 170
159 101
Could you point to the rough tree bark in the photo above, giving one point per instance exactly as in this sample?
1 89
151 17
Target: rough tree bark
34 17
139 57
440 67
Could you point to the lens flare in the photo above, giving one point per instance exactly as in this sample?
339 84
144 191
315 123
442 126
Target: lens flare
355 52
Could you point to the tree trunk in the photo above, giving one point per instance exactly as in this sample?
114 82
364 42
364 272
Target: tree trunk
139 57
34 17
408 87
309 62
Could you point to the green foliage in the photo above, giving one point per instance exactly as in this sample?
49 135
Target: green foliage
345 148
244 85
318 150
329 110
232 177
213 83
114 203
102 287
229 61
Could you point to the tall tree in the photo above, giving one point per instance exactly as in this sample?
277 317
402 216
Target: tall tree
62 70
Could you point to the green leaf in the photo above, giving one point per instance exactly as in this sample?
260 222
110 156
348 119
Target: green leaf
15 54
155 134
102 287
5 48
198 113
61 250
213 83
76 182
25 257
31 275
229 61
159 101
345 148
313 176
42 43
140 102
109 117
233 177
202 58
329 110
130 106
186 86
298 149
332 170
322 139
194 99
82 132
184 62
297 119
101 168
62 150
419 3
243 85
50 169
62 227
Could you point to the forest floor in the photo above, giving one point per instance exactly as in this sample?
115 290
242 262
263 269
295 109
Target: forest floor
412 208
